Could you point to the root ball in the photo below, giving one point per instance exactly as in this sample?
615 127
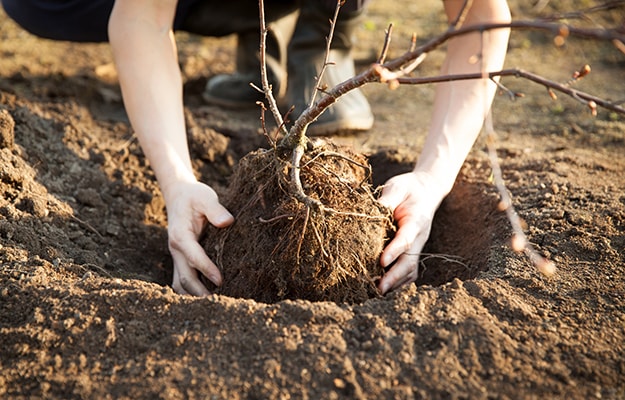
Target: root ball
279 248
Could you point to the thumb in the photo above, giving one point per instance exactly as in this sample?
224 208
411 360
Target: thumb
219 216
212 209
392 195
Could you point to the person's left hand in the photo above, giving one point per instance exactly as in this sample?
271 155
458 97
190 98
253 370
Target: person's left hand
190 206
412 198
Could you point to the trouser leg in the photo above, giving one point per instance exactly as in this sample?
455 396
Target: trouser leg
242 17
306 57
75 21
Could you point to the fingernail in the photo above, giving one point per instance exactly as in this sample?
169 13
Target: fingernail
223 219
216 280
383 287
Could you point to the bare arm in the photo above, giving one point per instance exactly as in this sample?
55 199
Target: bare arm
144 50
460 107
459 111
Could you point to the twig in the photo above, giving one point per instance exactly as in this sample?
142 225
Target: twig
386 45
326 60
273 106
564 88
372 74
93 267
263 109
391 77
86 225
462 15
519 239
555 28
583 13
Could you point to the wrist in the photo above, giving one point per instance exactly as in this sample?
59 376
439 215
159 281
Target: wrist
171 183
438 183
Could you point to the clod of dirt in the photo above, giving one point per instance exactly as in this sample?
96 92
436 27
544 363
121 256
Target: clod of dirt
7 133
279 248
89 197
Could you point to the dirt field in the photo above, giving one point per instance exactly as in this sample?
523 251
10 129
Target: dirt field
85 306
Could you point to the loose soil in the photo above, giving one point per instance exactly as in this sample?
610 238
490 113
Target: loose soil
85 306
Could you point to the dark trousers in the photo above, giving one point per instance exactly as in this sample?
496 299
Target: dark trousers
87 20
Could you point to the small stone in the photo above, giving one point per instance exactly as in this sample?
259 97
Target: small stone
7 130
339 383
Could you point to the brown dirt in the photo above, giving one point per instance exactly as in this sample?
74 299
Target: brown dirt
85 310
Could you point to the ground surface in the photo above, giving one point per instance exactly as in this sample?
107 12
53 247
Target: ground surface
85 310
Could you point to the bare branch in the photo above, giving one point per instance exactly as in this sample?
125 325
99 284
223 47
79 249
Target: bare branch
555 28
462 15
273 106
386 45
563 88
583 13
519 239
326 61
370 75
263 109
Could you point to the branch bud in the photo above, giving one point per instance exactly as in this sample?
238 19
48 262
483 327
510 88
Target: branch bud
563 33
582 72
585 70
552 94
518 243
545 267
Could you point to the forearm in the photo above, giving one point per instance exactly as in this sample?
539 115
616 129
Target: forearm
145 55
461 106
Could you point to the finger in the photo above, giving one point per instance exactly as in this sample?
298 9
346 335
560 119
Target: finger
402 242
220 218
176 282
193 255
405 270
188 283
216 214
392 196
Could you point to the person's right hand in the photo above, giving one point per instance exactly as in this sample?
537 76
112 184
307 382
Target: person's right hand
190 206
414 198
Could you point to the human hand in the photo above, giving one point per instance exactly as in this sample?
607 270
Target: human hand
413 197
191 206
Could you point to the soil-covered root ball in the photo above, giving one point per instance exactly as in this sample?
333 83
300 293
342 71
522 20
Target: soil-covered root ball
280 248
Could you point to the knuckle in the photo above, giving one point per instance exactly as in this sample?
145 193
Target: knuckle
413 274
185 283
175 238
